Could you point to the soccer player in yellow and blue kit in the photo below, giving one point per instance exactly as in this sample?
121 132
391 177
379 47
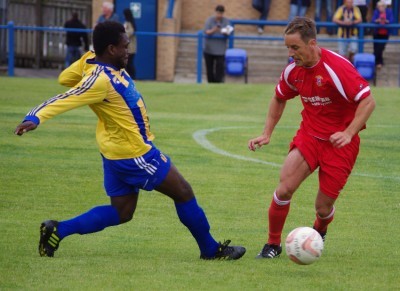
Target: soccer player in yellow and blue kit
130 159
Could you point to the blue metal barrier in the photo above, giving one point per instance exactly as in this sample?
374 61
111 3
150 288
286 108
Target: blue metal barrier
10 68
200 37
11 32
170 9
361 27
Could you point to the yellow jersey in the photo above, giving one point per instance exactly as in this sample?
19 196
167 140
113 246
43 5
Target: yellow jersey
123 129
343 13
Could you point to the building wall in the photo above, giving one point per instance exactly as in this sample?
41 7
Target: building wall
196 12
166 46
190 15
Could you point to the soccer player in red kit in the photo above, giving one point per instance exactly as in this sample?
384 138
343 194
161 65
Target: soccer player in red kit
337 103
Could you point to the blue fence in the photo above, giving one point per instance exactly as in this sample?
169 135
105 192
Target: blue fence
361 28
170 8
200 37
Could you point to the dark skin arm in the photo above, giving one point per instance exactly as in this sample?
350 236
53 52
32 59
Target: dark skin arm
25 127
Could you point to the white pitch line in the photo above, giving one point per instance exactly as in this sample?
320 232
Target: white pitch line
200 137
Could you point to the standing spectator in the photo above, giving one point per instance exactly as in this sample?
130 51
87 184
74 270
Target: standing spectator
337 103
298 8
215 47
328 11
387 2
74 40
130 28
108 13
382 16
346 16
363 6
262 6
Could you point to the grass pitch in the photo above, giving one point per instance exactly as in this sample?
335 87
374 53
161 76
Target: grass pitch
55 172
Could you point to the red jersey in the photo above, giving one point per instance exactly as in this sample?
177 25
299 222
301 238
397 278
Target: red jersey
330 92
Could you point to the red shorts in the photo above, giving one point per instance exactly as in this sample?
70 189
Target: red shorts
335 164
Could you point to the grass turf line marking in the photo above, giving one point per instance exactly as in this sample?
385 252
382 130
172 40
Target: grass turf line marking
200 136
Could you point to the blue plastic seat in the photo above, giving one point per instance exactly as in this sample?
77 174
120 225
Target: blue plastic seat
365 65
236 62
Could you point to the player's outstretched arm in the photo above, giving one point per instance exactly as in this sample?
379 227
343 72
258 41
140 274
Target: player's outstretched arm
276 108
25 127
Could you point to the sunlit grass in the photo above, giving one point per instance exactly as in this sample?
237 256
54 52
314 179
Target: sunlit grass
56 172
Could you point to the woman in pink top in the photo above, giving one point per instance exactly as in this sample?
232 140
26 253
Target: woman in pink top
382 16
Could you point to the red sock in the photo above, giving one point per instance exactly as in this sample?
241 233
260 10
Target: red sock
321 223
277 214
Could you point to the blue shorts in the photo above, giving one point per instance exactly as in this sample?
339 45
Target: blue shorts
122 177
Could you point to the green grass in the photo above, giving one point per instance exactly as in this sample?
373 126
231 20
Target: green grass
55 172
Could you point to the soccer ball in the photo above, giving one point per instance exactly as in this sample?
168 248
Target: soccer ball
304 245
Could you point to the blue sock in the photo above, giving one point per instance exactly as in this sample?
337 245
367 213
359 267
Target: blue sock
96 219
194 218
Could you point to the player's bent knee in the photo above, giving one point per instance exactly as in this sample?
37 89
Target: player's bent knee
284 192
125 217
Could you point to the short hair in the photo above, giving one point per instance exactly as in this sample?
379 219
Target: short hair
220 8
105 34
303 25
108 5
381 3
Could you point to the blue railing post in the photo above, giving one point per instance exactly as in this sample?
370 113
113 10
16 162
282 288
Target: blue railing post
10 48
361 36
199 55
170 10
231 37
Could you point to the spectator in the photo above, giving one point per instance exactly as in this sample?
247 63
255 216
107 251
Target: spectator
262 6
328 10
130 28
363 6
382 16
108 13
74 40
346 16
298 8
215 47
387 2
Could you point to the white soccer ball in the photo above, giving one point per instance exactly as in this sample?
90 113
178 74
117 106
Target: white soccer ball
304 245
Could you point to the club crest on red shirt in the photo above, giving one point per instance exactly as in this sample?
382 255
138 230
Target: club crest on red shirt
318 80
